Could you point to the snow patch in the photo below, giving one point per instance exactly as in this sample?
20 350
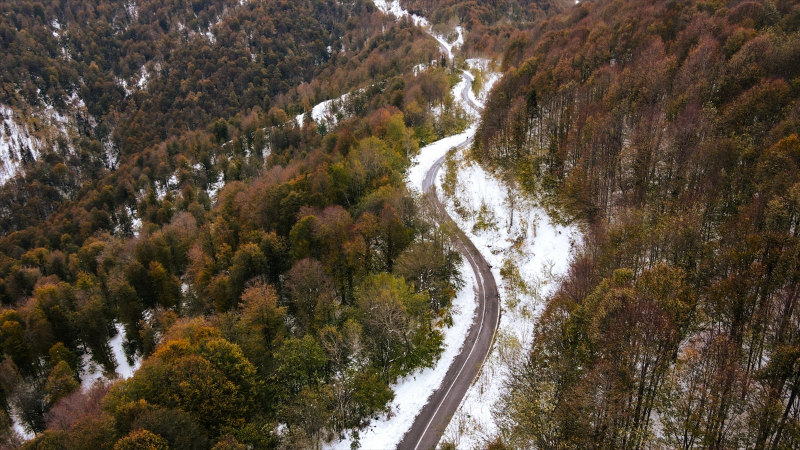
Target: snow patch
17 145
143 78
133 11
23 139
490 78
172 181
124 368
429 154
460 39
112 154
413 391
329 111
215 187
136 221
92 372
419 68
17 425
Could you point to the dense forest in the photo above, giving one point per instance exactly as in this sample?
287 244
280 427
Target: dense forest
488 26
670 129
273 277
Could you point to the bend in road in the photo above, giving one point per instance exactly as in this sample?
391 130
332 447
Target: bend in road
431 422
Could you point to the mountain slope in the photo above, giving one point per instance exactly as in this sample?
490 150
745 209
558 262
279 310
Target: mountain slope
670 131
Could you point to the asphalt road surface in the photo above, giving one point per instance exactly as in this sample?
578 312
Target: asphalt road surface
430 424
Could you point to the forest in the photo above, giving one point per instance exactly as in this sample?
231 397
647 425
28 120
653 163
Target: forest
670 130
488 25
274 278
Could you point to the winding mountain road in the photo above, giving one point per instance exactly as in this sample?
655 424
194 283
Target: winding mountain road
431 422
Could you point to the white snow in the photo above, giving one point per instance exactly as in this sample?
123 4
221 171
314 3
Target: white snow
419 68
93 371
112 154
29 133
544 254
16 143
465 85
133 11
215 187
327 111
412 392
142 83
15 420
161 190
172 182
170 185
136 221
490 77
432 152
124 369
19 142
143 77
460 39
392 7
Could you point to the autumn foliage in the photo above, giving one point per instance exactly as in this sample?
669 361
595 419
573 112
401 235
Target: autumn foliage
670 130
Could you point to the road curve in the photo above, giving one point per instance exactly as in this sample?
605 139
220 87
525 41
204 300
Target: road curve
431 422
465 92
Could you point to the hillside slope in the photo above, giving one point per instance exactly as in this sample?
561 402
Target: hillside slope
669 130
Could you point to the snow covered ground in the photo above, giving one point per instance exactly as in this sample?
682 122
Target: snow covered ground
19 428
16 144
513 233
412 392
430 153
326 111
93 372
26 134
490 77
19 144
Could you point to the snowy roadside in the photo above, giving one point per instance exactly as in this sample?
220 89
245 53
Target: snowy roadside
517 235
411 392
